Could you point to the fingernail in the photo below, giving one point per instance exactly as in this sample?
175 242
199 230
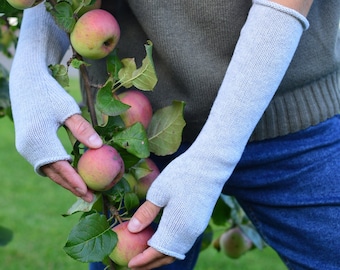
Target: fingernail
95 140
134 225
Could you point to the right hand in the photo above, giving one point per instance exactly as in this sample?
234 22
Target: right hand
61 172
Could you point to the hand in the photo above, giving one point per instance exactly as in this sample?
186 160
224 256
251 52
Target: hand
150 258
61 172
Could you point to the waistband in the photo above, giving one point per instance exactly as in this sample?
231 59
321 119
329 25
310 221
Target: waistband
301 108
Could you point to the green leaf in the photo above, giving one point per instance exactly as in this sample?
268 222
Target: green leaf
107 103
82 206
6 236
125 74
141 169
207 238
165 129
221 213
143 78
76 63
91 240
5 104
113 125
250 231
113 64
134 140
60 73
63 15
131 201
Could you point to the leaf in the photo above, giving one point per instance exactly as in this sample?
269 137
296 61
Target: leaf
207 238
107 103
76 63
113 64
91 240
63 15
126 72
131 201
5 103
221 213
143 78
141 169
60 73
82 206
134 140
6 236
165 129
253 235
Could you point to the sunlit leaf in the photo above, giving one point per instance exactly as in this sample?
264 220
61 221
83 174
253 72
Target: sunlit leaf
165 129
91 240
144 78
125 74
82 206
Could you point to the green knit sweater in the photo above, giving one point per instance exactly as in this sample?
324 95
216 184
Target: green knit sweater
194 42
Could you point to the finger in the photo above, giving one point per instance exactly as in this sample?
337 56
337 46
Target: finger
62 173
149 259
83 131
144 215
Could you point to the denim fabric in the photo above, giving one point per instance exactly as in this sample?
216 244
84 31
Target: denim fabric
290 189
191 257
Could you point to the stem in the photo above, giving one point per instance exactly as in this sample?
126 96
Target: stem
89 98
107 210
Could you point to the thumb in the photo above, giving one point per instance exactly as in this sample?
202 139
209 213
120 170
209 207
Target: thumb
83 131
143 217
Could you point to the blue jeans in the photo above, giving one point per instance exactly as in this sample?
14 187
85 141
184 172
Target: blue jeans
290 189
191 257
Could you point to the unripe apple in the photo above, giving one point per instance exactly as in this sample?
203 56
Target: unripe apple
95 34
234 243
83 10
101 168
23 4
129 244
145 182
140 110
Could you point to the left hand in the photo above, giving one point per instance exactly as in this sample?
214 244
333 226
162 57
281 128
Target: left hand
150 258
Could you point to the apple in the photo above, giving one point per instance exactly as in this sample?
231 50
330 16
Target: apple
101 168
234 243
95 34
140 110
23 4
129 244
75 4
145 182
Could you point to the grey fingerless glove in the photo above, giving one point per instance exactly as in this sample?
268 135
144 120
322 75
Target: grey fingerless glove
39 104
189 186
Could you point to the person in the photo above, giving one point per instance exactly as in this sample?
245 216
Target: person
261 84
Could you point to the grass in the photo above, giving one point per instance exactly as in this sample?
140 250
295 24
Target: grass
31 206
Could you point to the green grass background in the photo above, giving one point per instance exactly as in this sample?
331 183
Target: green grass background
32 207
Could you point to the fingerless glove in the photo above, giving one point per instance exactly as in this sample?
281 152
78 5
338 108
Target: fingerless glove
190 185
39 104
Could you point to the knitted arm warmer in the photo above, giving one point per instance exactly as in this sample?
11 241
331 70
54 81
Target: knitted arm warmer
39 104
189 186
